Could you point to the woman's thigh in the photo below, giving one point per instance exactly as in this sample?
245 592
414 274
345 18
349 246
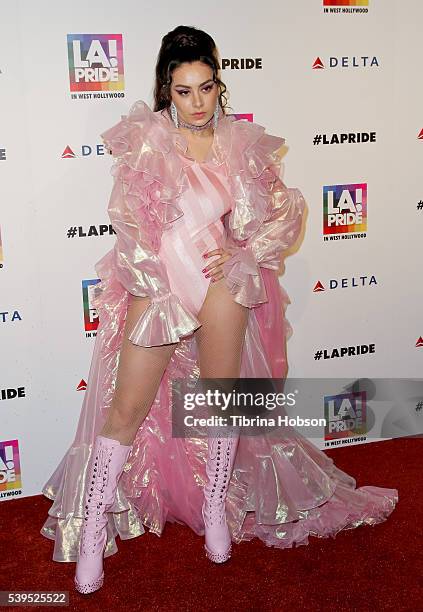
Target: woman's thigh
140 369
221 337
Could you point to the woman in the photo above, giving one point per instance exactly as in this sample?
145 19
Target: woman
190 290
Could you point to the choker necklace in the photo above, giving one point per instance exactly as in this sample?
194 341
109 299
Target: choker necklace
195 128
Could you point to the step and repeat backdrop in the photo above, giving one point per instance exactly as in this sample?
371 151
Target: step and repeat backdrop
340 80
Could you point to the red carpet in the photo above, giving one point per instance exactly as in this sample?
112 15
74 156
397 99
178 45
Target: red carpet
368 568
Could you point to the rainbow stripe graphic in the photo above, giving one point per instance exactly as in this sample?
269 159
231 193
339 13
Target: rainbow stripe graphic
90 312
345 2
345 208
95 62
10 466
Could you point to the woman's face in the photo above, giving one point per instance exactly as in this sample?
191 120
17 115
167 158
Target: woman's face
193 91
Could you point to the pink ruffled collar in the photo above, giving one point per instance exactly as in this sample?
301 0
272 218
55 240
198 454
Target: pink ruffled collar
147 142
221 147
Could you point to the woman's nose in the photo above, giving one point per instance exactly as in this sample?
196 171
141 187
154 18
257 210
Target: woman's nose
198 103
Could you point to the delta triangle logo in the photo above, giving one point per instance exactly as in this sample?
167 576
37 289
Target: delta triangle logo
68 153
419 342
318 64
420 136
318 287
82 385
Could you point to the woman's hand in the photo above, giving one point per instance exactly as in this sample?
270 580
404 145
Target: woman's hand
214 269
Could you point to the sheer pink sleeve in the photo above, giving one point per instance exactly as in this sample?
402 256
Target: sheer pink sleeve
137 215
266 221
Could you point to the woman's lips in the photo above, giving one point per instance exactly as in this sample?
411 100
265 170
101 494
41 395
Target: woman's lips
198 114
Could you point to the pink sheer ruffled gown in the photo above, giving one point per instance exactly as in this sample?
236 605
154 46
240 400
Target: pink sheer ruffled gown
282 489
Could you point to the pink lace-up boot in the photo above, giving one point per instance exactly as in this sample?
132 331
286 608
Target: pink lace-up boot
106 465
220 461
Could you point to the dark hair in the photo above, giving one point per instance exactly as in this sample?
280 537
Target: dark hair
184 44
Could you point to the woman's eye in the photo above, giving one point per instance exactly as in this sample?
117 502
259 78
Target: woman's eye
182 92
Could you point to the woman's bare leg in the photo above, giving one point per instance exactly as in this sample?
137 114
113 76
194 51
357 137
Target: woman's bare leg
138 377
140 370
221 337
220 341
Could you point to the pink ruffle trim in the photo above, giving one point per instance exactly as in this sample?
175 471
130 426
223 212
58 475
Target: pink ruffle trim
243 278
165 321
151 173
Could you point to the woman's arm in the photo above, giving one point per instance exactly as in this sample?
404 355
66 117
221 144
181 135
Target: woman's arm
133 209
141 271
279 231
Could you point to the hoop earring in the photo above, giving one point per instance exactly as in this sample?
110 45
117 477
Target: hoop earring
174 114
216 114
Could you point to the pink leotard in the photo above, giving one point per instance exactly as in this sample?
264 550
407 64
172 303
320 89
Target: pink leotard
198 230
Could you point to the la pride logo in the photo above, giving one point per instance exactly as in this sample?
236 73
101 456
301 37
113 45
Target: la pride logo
95 62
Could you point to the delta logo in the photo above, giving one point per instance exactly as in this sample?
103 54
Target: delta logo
345 209
345 415
346 61
95 62
419 343
345 283
90 311
86 151
82 386
420 136
10 469
10 316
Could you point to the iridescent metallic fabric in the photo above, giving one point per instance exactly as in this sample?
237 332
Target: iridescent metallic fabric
282 489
